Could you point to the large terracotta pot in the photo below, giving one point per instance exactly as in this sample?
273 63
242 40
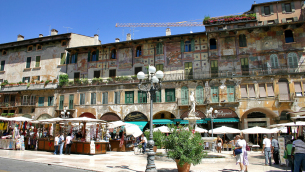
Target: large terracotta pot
185 168
155 148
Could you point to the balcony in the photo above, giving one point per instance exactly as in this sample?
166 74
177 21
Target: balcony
8 104
27 103
22 87
61 106
186 102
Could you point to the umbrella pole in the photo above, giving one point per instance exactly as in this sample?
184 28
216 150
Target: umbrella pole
257 138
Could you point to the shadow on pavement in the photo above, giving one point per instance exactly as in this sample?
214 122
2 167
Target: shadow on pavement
124 167
228 170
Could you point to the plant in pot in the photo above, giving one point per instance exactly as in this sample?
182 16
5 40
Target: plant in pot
85 81
95 81
184 147
158 138
110 80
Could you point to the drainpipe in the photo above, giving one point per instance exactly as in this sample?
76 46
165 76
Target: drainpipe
277 12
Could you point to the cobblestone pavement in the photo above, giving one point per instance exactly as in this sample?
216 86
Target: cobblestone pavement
128 162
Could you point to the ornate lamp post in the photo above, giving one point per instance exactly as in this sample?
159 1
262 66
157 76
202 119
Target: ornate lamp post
151 85
210 114
65 115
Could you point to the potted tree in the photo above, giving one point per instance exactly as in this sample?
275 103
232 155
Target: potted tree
158 137
185 147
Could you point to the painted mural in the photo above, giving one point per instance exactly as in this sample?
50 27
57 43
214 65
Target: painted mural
173 54
125 58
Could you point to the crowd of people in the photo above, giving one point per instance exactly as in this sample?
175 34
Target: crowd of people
60 142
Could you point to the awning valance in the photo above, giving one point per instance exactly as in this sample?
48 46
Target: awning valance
223 119
201 121
163 121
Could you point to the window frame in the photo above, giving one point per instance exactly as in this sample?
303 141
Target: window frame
105 98
127 98
213 48
113 54
29 48
82 98
38 61
268 10
28 62
142 97
242 40
139 51
287 40
2 65
38 46
50 100
173 97
110 76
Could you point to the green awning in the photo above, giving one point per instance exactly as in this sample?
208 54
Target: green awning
224 119
163 121
201 121
141 124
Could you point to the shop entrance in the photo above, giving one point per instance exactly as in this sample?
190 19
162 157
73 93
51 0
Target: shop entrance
256 138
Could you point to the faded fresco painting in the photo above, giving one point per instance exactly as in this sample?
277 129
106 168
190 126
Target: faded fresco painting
125 58
173 54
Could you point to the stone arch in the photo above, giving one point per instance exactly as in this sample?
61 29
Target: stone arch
284 116
44 116
88 115
198 113
136 116
268 119
110 116
167 115
269 113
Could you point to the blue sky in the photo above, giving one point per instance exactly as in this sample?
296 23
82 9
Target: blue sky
32 17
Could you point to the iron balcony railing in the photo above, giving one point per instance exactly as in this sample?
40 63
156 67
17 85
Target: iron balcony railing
186 101
68 106
8 104
27 103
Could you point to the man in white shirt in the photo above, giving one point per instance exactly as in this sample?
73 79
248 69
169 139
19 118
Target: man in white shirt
144 142
61 143
267 150
56 140
298 153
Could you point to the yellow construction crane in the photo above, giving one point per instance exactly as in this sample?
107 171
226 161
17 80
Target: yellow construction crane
169 24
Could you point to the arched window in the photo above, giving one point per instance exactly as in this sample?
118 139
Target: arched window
289 36
293 60
242 40
213 44
159 48
274 61
199 94
113 54
139 51
184 95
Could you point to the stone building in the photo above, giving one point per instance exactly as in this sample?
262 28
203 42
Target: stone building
31 68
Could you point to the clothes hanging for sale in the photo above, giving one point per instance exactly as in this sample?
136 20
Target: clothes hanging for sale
1 126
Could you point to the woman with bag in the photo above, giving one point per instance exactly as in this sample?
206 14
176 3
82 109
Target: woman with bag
245 153
238 152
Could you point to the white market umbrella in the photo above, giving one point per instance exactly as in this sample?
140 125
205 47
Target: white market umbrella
3 118
258 130
280 129
116 124
51 120
83 119
162 129
19 119
200 130
225 130
132 129
289 124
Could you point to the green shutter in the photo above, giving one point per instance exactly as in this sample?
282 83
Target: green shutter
182 46
170 95
37 61
142 97
158 96
97 54
184 96
41 101
193 45
263 10
76 58
50 101
199 94
61 102
93 98
214 94
89 53
271 9
283 8
68 58
2 65
158 48
292 7
231 93
71 101
129 97
161 48
62 58
28 62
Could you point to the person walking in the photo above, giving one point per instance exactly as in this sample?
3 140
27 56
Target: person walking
239 156
298 153
288 150
275 150
144 143
56 139
219 144
61 143
245 153
68 144
267 150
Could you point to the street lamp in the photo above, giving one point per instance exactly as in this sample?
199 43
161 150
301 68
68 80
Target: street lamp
65 115
151 85
210 114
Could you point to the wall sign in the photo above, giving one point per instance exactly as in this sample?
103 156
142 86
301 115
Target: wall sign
225 113
136 116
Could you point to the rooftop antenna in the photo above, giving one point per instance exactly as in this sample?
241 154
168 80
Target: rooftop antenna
67 28
98 31
49 30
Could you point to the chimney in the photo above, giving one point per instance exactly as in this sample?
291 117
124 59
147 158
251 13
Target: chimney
54 32
40 35
96 41
117 39
168 32
20 38
128 37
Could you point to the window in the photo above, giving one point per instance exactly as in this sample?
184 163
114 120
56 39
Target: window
289 36
242 40
64 43
4 52
214 68
113 54
129 97
270 90
37 64
288 7
93 98
142 97
82 98
199 95
288 20
32 100
159 48
6 98
157 97
184 96
293 60
50 101
244 66
76 75
298 89
262 90
33 110
30 47
117 97
271 22
283 90
38 47
274 61
213 45
74 58
187 46
243 91
138 51
159 67
112 73
214 94
20 110
36 78
2 65
285 115
188 70
267 10
41 101
170 95
71 101
231 93
251 91
28 62
96 74
61 102
94 56
105 98
220 28
26 79
137 70
63 58
24 100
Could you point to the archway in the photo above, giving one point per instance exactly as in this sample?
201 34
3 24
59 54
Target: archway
137 118
110 116
44 116
163 118
198 113
88 115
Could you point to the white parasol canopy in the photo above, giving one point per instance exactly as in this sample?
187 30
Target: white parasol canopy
132 129
200 130
18 119
3 118
116 124
258 130
289 124
162 129
51 120
225 130
83 119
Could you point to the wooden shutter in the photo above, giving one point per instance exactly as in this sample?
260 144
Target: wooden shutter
37 61
283 8
170 95
251 91
193 45
231 93
63 58
283 91
61 102
71 101
41 101
97 55
270 90
243 91
292 7
297 87
182 46
158 96
271 9
89 56
199 94
214 94
2 65
262 90
28 62
184 96
75 57
68 58
263 10
129 97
